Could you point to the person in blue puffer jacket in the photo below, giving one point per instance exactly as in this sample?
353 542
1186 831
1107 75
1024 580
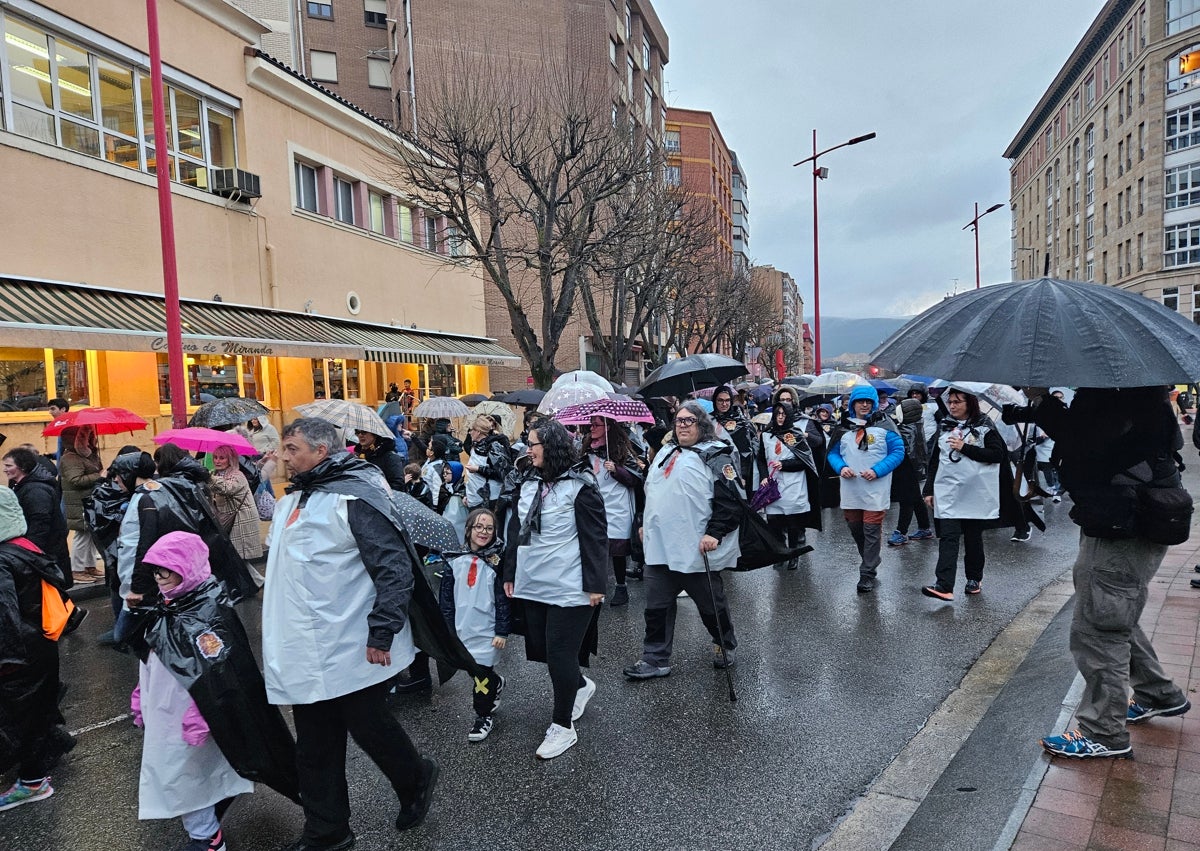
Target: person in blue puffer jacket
864 450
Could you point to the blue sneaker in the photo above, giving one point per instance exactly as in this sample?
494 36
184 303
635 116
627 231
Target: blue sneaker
1138 713
1075 744
20 794
897 539
921 535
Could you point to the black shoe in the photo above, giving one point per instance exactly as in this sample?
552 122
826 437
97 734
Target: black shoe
1197 568
407 685
411 815
106 639
793 563
74 620
865 584
1195 583
635 572
620 596
303 845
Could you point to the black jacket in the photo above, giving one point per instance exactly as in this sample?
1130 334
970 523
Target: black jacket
803 460
497 455
41 503
446 589
384 456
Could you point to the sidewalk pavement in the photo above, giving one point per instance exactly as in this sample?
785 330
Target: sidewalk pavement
1150 802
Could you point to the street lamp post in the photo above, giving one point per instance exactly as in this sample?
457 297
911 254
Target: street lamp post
821 174
974 225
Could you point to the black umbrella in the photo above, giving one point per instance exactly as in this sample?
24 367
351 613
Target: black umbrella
425 526
694 372
227 412
1044 332
529 397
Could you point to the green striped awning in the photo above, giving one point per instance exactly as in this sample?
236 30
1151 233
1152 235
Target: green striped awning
51 314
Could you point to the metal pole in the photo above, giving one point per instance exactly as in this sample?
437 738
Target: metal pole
816 268
166 225
976 220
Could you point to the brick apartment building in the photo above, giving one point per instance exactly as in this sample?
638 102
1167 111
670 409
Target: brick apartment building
741 215
699 160
1105 171
789 306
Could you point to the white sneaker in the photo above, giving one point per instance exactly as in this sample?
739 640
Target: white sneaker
582 697
557 740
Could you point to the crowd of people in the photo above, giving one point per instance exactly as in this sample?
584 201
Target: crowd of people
353 608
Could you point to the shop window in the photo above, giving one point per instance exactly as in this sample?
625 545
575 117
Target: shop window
212 377
29 378
335 378
440 380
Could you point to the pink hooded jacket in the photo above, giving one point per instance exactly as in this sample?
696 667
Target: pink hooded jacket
186 554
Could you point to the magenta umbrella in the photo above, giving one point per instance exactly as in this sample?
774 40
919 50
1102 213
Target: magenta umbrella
197 439
612 407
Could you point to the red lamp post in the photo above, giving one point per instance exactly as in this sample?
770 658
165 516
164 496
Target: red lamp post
821 174
974 225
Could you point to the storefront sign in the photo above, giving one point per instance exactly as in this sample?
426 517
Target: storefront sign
226 347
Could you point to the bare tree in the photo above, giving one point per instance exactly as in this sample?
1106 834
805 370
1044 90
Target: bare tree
754 319
523 165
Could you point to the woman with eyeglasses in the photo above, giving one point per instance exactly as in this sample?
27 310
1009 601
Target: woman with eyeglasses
693 508
556 564
783 453
614 464
490 460
380 451
963 488
737 425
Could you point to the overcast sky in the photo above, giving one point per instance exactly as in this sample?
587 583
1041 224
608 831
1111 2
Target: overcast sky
945 83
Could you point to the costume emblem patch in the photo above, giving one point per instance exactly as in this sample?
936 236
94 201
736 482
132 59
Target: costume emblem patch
789 439
870 439
493 559
728 472
209 644
152 485
730 426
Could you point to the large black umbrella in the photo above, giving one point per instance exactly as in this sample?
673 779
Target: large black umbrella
227 412
694 372
1044 332
529 397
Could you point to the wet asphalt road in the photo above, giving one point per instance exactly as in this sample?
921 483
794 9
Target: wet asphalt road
831 686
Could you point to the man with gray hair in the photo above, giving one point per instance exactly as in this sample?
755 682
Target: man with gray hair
336 628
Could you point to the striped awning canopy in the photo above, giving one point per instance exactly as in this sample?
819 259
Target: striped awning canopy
52 314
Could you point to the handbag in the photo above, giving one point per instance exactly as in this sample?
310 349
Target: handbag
1164 514
265 500
56 611
765 495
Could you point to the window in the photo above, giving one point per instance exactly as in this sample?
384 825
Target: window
1182 15
405 215
630 71
377 206
1089 91
1182 186
1121 52
375 13
1181 245
29 378
1142 84
1091 232
673 175
1129 152
628 22
1141 243
1183 70
453 241
379 74
431 241
320 10
1120 158
1104 219
1104 170
335 378
306 187
1141 184
1091 187
343 200
612 51
1141 141
646 53
1090 270
649 104
1182 127
671 141
53 99
1120 198
221 376
1170 298
322 66
1090 138
1104 121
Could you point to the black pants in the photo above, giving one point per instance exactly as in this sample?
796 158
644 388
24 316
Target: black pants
483 694
789 528
911 502
618 564
949 533
29 707
1050 473
662 589
321 730
563 628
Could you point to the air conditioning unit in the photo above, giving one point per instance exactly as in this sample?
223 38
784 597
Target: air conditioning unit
236 184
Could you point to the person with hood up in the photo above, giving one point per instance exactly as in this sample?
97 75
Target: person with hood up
964 488
103 511
929 425
184 773
490 460
41 500
737 425
236 510
381 452
690 533
783 453
864 451
614 465
906 480
31 735
79 469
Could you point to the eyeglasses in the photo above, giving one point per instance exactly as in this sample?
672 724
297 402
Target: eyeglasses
686 421
483 528
956 401
534 443
162 573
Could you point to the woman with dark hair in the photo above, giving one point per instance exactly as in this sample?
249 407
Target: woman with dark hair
783 453
964 489
693 513
614 464
737 425
555 565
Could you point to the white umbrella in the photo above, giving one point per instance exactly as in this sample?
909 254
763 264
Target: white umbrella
441 407
571 393
584 376
834 384
507 416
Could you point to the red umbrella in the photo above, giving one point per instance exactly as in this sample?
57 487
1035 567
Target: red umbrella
103 420
198 439
613 407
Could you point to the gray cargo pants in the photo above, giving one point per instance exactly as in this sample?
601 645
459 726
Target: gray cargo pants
1110 649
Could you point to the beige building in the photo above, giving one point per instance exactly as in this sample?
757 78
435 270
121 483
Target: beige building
304 271
1102 170
790 307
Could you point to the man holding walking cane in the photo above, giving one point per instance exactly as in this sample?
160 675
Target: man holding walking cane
690 534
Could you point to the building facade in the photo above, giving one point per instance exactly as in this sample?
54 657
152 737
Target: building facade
789 306
703 166
1105 172
303 270
741 216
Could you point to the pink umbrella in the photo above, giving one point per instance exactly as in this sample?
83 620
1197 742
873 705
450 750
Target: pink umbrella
613 407
199 439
